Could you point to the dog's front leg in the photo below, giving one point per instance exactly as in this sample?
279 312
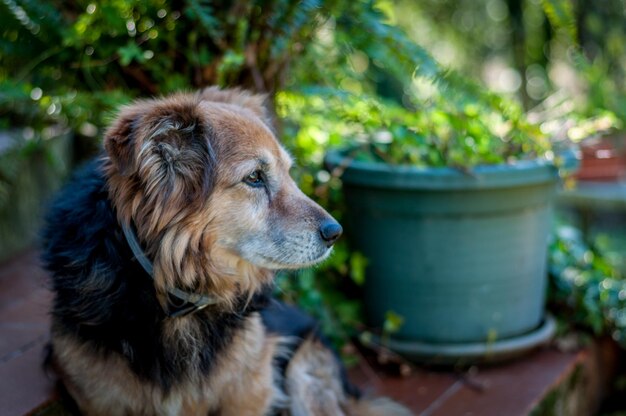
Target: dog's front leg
313 382
245 380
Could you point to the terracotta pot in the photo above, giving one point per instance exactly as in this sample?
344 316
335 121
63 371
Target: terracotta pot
603 158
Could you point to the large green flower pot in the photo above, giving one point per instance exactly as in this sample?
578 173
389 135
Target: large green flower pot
460 256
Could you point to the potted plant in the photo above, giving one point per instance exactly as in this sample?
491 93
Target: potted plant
32 166
36 153
603 158
602 146
452 206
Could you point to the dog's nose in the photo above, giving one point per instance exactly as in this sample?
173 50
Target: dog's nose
330 231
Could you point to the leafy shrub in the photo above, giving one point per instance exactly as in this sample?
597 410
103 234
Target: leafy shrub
585 288
79 60
432 134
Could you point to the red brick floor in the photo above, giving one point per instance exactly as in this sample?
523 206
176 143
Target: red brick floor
511 389
24 326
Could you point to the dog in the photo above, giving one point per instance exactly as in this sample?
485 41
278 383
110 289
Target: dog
162 254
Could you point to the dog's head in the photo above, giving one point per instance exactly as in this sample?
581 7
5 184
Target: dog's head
207 186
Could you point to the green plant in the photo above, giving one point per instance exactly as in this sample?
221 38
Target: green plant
586 290
433 134
84 59
592 37
74 62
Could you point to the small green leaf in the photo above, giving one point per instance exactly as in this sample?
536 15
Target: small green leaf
358 264
393 322
129 53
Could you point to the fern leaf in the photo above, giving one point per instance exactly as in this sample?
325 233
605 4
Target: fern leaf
203 11
561 16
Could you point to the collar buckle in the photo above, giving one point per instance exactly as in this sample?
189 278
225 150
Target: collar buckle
187 308
182 303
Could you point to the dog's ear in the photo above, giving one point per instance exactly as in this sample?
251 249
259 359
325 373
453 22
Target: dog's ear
172 130
119 141
181 139
257 103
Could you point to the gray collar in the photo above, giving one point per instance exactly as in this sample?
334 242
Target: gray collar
180 303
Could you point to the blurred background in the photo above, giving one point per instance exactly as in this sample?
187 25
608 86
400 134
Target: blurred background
432 84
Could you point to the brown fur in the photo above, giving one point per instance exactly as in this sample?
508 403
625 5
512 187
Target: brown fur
244 371
175 169
313 383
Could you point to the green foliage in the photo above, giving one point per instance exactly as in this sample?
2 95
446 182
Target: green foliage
585 288
393 323
596 50
561 16
528 49
52 53
443 119
435 133
117 50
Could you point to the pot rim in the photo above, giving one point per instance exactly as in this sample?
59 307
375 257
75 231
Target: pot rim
477 352
519 173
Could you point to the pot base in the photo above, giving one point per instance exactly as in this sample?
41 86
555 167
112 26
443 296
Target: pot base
475 353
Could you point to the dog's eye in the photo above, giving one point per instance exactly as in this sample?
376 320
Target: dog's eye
255 179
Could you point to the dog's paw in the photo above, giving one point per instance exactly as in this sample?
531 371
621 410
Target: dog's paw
314 386
313 382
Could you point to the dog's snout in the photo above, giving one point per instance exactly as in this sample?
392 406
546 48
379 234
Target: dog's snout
330 230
